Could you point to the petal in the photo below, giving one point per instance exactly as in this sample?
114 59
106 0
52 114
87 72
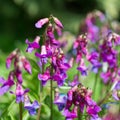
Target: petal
41 22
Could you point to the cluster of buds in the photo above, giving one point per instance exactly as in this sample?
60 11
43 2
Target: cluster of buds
109 55
20 63
77 98
50 52
80 46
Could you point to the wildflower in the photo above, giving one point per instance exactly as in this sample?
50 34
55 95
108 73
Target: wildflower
57 22
116 91
20 93
82 68
32 45
45 76
41 22
6 85
93 58
78 97
60 101
30 107
80 45
10 58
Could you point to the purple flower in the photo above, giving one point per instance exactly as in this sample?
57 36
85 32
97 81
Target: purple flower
80 45
44 77
59 77
116 91
105 76
93 110
79 97
70 115
74 82
31 107
33 45
41 22
82 68
43 55
6 84
60 101
10 58
26 65
57 22
93 58
20 93
18 74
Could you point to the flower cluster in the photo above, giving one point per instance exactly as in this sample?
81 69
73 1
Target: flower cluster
77 98
50 52
90 26
20 62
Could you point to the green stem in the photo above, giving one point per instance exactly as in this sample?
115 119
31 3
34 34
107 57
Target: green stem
39 110
20 108
95 83
105 98
79 114
40 89
51 104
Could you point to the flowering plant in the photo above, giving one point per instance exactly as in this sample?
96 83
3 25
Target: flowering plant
66 82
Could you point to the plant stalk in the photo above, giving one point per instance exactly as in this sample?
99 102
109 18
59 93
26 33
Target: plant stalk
95 83
40 89
20 108
79 114
51 104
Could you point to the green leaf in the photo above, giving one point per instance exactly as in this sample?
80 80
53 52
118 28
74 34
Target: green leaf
11 116
45 110
34 64
6 111
25 115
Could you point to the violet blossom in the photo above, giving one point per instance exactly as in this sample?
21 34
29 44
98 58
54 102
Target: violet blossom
6 84
32 45
31 107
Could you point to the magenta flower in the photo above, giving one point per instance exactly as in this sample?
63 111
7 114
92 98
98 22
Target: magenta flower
41 22
93 58
26 65
20 93
33 45
18 74
57 22
80 45
6 84
70 115
82 68
44 77
80 97
106 76
10 58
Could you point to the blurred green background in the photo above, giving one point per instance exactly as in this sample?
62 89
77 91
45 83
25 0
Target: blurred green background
17 17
